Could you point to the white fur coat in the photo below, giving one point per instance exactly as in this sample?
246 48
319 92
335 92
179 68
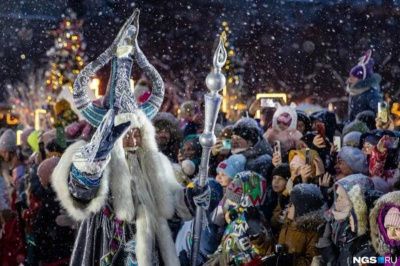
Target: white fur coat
116 181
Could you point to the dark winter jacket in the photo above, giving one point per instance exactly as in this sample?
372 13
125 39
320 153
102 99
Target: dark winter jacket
328 119
259 159
364 95
54 242
300 237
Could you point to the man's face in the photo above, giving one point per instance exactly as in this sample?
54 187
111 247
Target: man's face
163 136
278 184
352 80
367 148
188 151
5 155
132 139
342 169
301 127
239 144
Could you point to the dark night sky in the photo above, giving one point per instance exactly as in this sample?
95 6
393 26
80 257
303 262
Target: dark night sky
270 37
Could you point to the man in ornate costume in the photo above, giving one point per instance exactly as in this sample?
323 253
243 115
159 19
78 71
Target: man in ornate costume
119 185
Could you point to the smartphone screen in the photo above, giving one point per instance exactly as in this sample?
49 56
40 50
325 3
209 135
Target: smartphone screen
337 142
277 147
308 156
227 144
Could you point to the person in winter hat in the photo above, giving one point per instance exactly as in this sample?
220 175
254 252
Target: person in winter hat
229 168
301 172
191 150
303 122
284 129
368 117
328 119
350 161
210 235
54 242
384 221
247 140
346 232
381 149
363 87
118 185
168 134
244 194
221 150
280 176
26 149
298 234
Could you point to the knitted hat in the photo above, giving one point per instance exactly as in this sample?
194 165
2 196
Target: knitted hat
354 158
282 170
25 134
48 136
352 139
245 186
357 126
368 117
365 67
306 198
248 129
232 166
45 169
8 141
350 181
392 218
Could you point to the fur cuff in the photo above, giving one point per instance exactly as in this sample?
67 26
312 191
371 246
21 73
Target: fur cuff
60 175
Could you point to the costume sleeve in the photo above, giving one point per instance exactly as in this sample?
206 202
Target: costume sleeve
152 105
377 162
82 187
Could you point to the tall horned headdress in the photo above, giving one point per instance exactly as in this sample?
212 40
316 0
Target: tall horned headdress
119 95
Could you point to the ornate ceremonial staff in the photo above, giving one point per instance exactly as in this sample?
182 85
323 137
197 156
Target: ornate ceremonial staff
215 82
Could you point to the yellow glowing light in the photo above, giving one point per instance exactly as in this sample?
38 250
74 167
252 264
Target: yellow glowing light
38 112
68 23
224 99
94 85
331 108
74 37
19 133
282 96
12 121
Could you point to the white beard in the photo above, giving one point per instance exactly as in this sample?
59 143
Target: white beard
142 186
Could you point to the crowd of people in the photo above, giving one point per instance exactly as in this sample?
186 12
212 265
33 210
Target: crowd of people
282 189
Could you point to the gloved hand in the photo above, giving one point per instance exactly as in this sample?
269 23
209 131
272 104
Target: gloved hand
103 139
198 197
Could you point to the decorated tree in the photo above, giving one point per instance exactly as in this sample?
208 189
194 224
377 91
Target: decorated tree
234 74
66 57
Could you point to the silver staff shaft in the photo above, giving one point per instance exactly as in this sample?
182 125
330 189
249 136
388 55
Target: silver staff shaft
215 82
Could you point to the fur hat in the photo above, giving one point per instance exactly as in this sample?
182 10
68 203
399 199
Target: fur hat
8 141
352 139
357 126
282 170
355 159
392 218
248 129
232 166
306 198
247 188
